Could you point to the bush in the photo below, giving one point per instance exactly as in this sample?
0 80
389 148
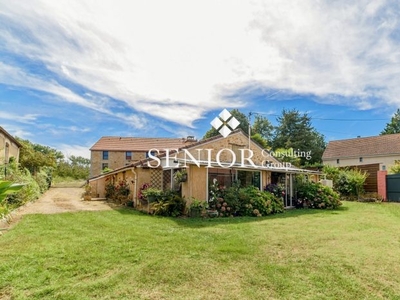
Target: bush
316 195
347 182
169 203
248 201
30 192
119 192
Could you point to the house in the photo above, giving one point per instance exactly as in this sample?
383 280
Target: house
230 159
370 154
111 152
9 147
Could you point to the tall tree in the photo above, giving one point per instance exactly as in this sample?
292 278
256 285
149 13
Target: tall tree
394 125
263 127
295 131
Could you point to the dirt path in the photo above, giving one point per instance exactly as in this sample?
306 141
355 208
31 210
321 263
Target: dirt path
54 201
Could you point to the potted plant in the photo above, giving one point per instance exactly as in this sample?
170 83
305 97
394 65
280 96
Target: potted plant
151 194
181 176
196 208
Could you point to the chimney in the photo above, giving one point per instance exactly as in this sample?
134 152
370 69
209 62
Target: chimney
190 138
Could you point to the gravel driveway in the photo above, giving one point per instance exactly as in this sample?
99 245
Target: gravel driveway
54 201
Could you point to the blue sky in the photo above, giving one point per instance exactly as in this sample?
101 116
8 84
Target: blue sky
73 71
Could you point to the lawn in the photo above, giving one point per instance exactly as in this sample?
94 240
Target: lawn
350 253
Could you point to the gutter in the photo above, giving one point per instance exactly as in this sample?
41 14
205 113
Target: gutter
134 198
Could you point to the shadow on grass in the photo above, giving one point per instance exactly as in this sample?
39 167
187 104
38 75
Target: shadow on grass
206 222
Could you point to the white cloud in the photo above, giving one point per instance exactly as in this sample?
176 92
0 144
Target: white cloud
27 118
179 59
76 150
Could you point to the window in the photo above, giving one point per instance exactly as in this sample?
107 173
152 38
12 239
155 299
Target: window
104 166
128 155
337 161
105 155
361 159
152 153
248 178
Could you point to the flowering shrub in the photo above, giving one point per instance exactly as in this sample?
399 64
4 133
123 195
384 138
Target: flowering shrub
141 196
275 189
316 195
248 201
119 192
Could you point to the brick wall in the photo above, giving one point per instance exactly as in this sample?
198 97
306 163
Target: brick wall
381 178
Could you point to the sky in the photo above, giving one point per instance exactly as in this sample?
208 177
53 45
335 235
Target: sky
73 71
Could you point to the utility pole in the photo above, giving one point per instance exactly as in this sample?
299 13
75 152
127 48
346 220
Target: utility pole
250 114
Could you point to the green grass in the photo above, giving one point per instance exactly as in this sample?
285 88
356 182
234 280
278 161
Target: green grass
350 253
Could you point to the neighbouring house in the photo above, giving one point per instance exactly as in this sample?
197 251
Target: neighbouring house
9 147
227 160
112 152
370 154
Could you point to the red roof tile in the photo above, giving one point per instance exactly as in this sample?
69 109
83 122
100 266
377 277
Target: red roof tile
368 146
116 143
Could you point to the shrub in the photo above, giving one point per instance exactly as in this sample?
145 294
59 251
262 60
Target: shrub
316 195
169 203
248 201
347 182
119 192
30 192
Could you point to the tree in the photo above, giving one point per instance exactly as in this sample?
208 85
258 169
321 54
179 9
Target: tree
260 140
261 131
34 156
295 131
76 167
263 127
241 117
394 125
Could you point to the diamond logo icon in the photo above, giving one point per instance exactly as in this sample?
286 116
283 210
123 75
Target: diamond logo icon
225 123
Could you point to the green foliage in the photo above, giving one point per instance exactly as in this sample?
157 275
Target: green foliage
395 169
287 155
7 188
118 192
169 203
347 182
259 140
244 124
246 201
75 167
263 127
31 190
295 131
152 194
34 156
316 195
33 185
394 125
106 170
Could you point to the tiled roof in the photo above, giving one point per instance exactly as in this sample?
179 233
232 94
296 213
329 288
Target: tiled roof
10 136
388 144
116 143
